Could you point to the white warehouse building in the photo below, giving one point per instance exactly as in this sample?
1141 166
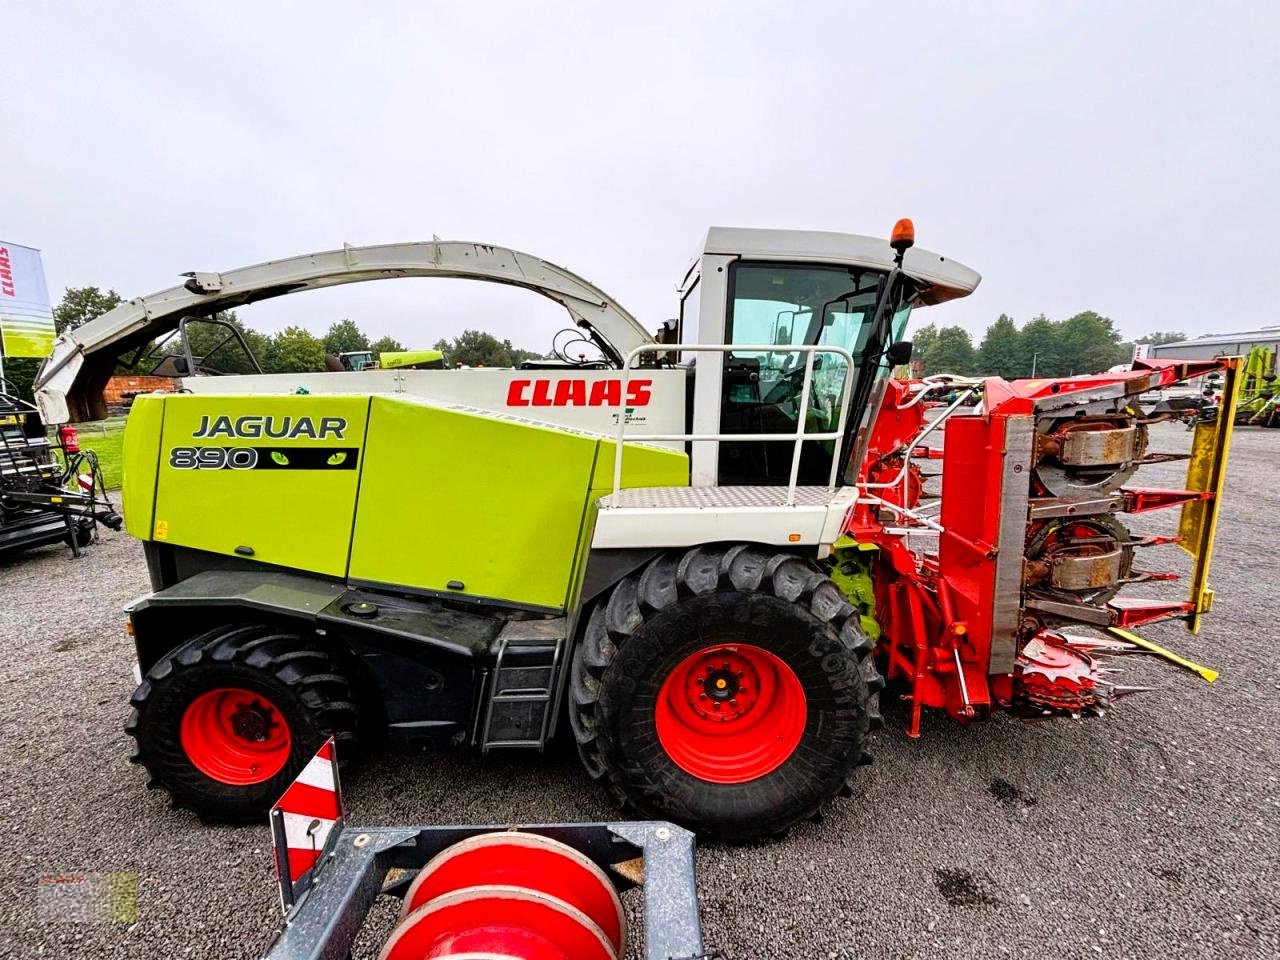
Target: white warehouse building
1216 345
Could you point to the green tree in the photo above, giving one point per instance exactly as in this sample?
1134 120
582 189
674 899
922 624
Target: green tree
1090 343
1157 337
953 352
924 343
478 349
259 345
81 304
386 345
1002 352
475 348
344 337
19 375
294 350
1042 348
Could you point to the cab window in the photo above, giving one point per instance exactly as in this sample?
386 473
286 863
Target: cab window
782 304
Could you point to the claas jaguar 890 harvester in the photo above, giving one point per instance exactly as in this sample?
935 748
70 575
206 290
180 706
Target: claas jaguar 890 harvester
706 550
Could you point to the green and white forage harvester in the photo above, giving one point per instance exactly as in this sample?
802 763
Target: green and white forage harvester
706 550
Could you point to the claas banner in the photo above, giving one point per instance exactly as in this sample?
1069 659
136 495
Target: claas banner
26 318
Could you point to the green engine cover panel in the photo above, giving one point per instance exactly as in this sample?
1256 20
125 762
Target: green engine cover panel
272 478
453 498
139 462
460 501
382 490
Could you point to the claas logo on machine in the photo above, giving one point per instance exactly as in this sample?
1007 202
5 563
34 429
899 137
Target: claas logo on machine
574 392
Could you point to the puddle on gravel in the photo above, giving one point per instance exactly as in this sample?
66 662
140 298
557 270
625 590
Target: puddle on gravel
964 888
1009 795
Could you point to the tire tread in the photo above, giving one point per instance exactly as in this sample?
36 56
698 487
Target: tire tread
664 582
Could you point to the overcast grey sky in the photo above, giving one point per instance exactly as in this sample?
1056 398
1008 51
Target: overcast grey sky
1122 158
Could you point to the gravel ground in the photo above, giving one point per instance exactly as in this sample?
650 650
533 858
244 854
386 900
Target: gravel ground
1150 833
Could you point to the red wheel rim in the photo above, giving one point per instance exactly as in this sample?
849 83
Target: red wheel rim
731 713
235 736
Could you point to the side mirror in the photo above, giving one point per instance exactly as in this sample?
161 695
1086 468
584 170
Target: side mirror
899 354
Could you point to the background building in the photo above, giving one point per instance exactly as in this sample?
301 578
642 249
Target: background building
1217 345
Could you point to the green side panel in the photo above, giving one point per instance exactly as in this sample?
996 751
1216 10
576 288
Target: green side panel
140 452
275 475
407 358
502 506
492 503
643 465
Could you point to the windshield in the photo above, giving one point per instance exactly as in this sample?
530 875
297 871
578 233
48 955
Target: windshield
781 304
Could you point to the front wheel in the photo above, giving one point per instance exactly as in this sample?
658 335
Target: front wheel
727 689
226 721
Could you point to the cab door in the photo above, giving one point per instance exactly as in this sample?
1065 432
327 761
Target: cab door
787 304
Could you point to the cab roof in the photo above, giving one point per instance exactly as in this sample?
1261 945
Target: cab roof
941 278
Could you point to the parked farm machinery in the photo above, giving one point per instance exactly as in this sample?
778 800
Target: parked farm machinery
50 491
1259 404
707 551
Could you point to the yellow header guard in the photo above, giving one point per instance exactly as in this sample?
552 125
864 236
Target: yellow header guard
1207 471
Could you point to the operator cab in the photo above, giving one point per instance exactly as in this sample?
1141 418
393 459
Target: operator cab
356 360
759 290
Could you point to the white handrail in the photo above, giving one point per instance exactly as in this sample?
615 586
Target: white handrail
967 386
915 442
939 381
809 350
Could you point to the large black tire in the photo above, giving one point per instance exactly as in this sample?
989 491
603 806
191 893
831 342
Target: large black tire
681 603
299 681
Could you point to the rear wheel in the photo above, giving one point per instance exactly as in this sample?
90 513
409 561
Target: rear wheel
726 688
226 721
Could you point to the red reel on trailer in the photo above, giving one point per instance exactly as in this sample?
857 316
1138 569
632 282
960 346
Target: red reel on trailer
516 895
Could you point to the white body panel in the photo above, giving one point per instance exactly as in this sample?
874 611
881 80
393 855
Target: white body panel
685 517
206 293
583 399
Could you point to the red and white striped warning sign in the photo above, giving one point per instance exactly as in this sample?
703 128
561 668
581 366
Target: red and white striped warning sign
304 820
